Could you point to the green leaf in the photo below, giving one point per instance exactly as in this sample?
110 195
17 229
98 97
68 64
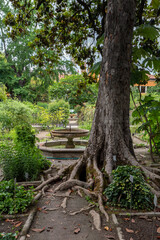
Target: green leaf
100 40
96 68
147 31
155 4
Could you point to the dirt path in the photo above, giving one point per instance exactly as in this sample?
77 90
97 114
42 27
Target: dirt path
58 224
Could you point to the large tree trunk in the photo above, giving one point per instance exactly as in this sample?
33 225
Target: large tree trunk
110 142
110 132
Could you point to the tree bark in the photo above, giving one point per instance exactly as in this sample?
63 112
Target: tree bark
110 130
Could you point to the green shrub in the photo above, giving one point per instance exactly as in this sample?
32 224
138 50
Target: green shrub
42 104
14 198
8 236
61 110
13 112
25 134
118 192
21 161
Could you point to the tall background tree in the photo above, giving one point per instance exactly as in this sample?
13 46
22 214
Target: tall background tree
21 72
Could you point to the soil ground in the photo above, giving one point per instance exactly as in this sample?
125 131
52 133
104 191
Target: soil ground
140 228
59 225
52 222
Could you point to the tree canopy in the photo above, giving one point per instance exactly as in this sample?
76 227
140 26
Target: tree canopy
77 27
23 76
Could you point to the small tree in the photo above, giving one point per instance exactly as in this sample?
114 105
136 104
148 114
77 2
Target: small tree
147 115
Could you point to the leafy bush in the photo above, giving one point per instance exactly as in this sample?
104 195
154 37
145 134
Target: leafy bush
20 157
61 110
3 94
21 161
14 198
8 236
42 104
25 135
118 192
13 112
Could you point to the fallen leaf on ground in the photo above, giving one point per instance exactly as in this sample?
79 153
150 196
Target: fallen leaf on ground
49 190
28 236
158 230
50 227
133 221
143 217
18 224
126 219
109 236
38 230
44 207
44 211
9 220
129 230
149 220
106 228
77 230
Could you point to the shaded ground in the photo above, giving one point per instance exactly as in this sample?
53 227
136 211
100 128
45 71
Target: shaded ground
12 225
59 225
142 227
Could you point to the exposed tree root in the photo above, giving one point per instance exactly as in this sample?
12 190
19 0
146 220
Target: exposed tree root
51 209
96 219
154 170
64 202
44 189
27 224
101 208
79 193
6 216
56 178
157 193
61 195
71 183
38 195
82 210
49 170
85 191
31 183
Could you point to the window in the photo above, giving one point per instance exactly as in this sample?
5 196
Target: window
143 89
